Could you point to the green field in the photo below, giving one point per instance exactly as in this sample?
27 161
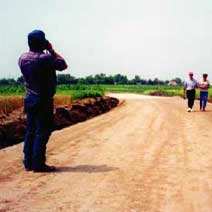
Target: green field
11 97
81 91
163 90
74 91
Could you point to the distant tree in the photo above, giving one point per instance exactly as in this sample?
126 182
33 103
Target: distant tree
81 81
178 80
143 82
89 80
131 82
109 80
66 79
150 82
20 80
156 81
98 79
7 81
63 79
136 80
161 82
103 79
120 79
73 80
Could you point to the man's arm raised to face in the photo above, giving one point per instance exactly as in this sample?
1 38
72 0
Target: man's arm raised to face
59 62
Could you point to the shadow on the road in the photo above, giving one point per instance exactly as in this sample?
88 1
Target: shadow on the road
86 168
198 111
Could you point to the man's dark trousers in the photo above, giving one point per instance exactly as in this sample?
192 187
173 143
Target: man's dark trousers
191 97
39 128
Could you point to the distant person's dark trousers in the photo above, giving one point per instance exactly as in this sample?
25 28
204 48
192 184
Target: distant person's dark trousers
39 128
203 99
191 97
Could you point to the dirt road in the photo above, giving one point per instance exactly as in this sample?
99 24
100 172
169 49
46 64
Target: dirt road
148 154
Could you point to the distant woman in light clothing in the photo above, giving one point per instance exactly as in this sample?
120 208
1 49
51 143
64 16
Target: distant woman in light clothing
203 86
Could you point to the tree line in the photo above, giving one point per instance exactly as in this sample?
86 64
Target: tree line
99 79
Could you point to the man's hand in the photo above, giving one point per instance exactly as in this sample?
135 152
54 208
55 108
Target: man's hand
51 50
49 47
60 63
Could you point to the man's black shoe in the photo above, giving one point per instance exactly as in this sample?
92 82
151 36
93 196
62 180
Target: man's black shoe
45 168
28 169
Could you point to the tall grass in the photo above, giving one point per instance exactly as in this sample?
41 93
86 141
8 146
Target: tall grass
10 103
11 97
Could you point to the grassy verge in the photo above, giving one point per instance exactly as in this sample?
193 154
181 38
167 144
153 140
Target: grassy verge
11 97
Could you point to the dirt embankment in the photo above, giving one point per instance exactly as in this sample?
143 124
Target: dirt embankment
12 127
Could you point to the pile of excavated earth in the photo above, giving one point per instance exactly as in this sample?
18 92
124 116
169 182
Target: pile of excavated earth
12 127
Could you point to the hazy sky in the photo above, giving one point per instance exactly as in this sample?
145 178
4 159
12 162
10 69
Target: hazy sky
152 38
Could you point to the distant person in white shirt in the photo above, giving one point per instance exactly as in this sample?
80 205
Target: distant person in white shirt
190 86
203 86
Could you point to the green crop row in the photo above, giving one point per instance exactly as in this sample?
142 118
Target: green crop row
81 91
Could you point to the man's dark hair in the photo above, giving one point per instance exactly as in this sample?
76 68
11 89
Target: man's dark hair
37 41
205 75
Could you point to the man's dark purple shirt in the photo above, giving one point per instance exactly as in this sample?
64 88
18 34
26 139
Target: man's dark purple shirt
39 71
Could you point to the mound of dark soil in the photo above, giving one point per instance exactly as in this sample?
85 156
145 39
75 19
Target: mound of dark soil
12 128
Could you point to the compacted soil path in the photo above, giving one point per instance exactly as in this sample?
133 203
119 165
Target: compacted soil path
148 154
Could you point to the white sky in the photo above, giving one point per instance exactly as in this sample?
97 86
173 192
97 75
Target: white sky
151 38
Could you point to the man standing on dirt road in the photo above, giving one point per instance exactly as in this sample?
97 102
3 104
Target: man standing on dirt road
190 86
38 67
